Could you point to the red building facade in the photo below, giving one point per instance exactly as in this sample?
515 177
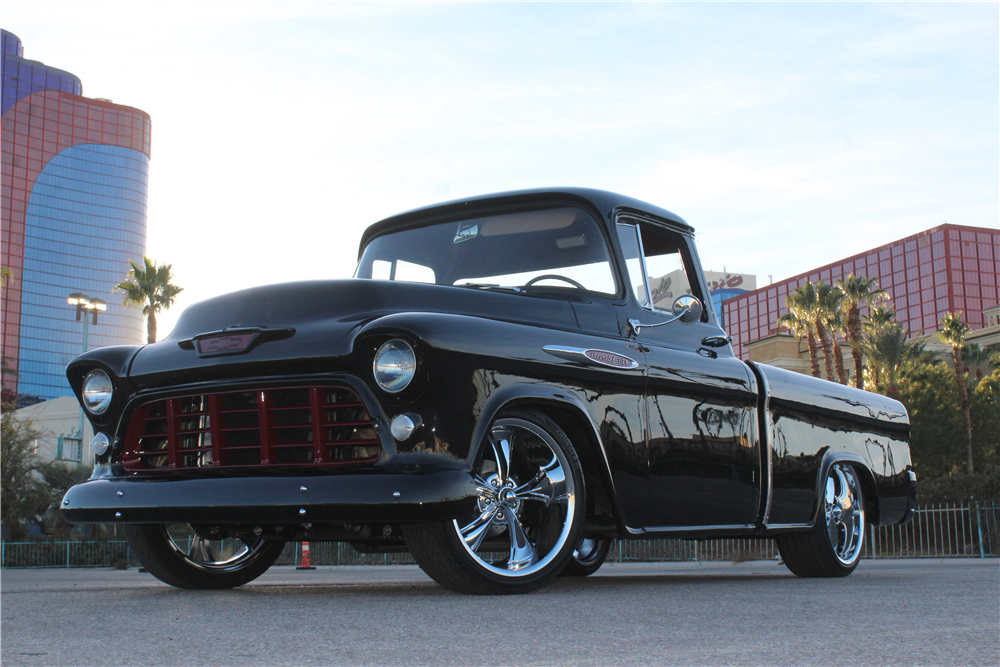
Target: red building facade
944 269
73 203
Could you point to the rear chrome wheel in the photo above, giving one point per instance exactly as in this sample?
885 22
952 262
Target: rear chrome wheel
527 521
833 547
176 555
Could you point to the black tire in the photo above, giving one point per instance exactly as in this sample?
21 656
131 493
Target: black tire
167 561
833 547
531 505
588 557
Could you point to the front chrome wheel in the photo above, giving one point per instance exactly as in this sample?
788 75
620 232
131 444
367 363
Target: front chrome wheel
229 555
527 519
527 502
175 554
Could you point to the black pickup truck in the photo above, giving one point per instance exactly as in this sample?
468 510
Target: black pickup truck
507 384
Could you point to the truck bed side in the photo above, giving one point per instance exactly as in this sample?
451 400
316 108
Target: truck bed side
810 423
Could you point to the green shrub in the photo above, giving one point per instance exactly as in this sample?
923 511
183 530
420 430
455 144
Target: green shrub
982 488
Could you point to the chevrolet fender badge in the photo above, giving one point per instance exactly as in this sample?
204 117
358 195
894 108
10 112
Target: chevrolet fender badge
602 357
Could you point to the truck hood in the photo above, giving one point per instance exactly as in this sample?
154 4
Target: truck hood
312 323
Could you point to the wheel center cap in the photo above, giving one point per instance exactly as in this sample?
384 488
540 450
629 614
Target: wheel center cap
507 497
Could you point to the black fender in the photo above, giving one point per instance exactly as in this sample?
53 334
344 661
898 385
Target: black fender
462 337
528 394
114 360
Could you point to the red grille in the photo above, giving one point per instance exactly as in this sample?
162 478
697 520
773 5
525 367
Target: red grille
310 426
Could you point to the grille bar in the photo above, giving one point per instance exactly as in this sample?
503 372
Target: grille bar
301 426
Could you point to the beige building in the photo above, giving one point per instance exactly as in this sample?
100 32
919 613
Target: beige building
58 421
786 351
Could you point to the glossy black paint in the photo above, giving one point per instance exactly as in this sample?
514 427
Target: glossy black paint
277 500
814 423
691 442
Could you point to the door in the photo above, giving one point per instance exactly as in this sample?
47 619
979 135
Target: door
703 453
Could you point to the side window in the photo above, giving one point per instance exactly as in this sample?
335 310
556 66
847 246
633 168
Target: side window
628 236
657 265
413 273
402 271
668 277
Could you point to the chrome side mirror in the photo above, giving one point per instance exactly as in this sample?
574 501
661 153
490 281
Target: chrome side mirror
687 309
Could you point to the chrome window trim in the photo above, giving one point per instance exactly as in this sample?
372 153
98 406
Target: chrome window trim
627 220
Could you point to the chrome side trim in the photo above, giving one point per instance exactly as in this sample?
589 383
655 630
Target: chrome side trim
685 529
592 356
766 425
788 525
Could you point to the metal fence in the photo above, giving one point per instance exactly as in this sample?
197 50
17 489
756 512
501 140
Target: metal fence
940 531
944 531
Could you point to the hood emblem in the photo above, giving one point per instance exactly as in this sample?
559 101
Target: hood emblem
225 344
234 340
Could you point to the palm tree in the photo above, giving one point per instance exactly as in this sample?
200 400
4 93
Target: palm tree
858 291
976 358
801 305
838 329
828 299
888 354
802 328
880 316
874 323
953 332
149 287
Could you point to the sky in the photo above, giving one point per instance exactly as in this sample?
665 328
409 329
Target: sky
789 135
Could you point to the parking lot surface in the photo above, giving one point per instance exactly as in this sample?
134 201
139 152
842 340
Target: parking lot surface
896 612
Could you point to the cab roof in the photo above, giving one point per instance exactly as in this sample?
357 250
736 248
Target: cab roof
606 203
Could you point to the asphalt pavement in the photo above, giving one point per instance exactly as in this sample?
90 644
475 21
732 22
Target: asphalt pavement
894 612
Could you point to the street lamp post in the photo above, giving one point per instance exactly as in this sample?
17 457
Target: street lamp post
85 306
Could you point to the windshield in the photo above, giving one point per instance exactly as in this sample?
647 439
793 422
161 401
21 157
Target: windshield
553 247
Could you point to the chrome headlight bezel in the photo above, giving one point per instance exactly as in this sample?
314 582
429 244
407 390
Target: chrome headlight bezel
97 392
394 366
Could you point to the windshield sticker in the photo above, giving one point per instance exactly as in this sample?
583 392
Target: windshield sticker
466 231
572 242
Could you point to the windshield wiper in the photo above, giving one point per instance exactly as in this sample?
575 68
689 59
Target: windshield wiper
492 286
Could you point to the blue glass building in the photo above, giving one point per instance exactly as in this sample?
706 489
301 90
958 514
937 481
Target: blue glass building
23 77
720 295
75 173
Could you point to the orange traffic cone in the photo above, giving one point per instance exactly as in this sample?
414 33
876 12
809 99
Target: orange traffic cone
305 558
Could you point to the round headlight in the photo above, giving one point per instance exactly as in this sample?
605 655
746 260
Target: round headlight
97 392
395 365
